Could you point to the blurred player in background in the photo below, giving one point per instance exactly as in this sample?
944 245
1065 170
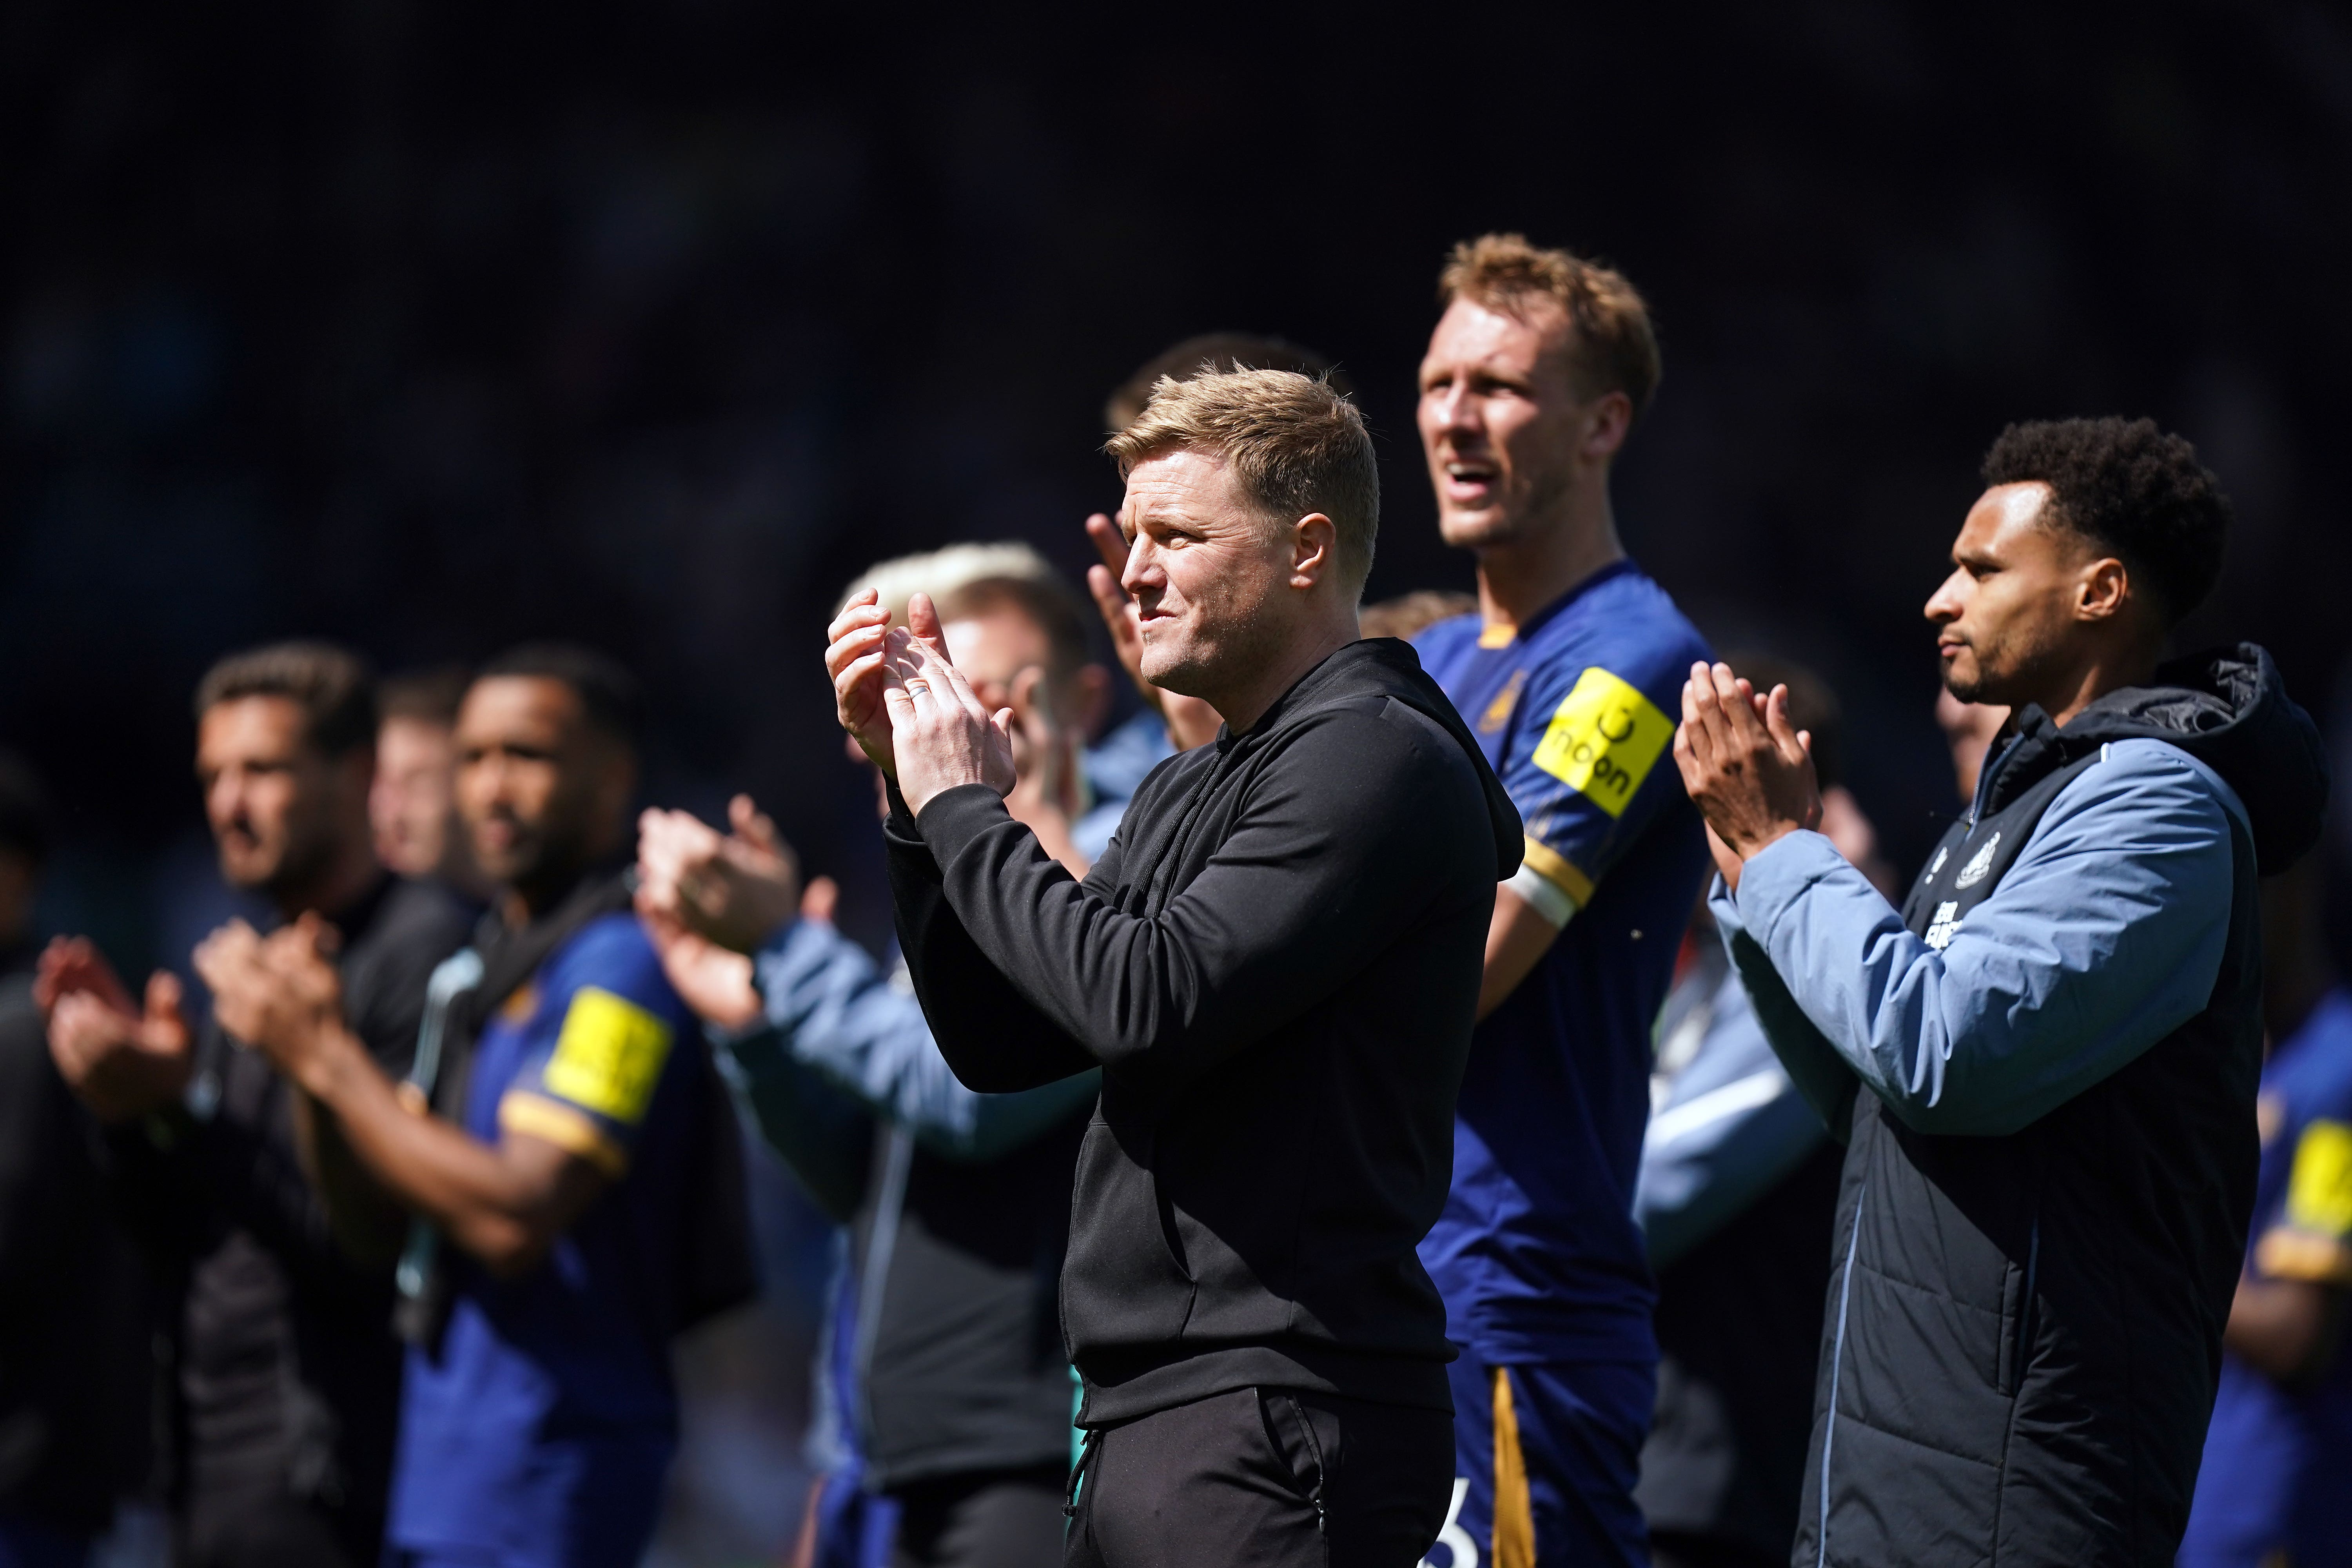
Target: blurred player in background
2277 1483
285 1374
1969 730
413 803
75 1364
580 1172
1533 378
1410 615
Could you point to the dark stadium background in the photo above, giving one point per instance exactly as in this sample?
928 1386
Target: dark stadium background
431 327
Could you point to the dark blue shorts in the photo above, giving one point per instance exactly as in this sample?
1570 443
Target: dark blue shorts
1545 1458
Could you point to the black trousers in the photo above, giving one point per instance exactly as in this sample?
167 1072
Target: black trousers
1264 1477
260 1526
1003 1518
1670 1551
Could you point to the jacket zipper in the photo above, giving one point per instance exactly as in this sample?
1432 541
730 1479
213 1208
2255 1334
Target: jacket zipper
875 1278
1837 1370
2025 1314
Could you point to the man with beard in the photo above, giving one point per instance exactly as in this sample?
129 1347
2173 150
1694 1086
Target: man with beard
2044 1065
580 1176
286 1374
1533 378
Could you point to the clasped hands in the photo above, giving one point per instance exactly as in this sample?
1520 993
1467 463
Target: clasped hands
709 900
1748 769
124 1058
279 993
910 709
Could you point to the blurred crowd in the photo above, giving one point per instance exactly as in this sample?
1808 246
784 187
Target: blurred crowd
370 1231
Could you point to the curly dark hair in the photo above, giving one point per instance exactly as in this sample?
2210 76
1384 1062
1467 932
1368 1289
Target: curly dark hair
2133 490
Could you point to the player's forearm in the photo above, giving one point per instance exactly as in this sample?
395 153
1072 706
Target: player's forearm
430 1167
362 1218
1521 934
2287 1330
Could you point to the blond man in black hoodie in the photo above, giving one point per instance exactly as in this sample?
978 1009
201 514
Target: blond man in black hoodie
1275 965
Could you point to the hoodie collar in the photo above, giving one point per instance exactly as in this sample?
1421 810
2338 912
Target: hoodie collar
2228 708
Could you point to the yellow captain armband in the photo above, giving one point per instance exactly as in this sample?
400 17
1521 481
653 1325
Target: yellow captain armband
609 1057
2319 1188
2309 1242
1603 740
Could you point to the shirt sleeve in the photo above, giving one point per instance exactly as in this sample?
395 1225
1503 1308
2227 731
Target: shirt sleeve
588 1082
2312 1237
2106 935
832 1010
1339 849
1812 1064
1589 769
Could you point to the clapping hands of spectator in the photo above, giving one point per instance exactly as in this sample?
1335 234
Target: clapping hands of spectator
736 888
277 993
707 899
122 1060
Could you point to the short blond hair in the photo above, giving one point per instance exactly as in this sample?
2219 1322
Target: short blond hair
946 573
1612 345
1295 446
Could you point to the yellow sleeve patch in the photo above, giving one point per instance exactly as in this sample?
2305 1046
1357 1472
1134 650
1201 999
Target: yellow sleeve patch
2319 1188
609 1056
1603 740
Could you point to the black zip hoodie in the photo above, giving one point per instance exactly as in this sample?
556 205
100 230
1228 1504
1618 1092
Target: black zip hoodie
1276 964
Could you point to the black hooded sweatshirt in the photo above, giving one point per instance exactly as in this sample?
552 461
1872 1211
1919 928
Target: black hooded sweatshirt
1276 965
2024 1333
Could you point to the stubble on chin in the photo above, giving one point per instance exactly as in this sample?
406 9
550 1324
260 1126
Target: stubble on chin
1510 520
1214 663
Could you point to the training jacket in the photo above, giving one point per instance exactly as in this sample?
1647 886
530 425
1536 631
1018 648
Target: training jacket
957 1205
1276 965
2046 1189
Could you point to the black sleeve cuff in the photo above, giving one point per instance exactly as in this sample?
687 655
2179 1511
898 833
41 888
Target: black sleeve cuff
954 817
901 817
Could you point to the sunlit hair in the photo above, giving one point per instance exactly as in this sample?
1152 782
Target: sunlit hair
1295 445
1612 346
967 582
1214 353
